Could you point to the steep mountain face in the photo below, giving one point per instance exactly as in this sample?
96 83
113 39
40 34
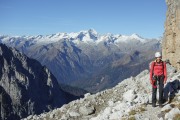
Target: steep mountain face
86 59
171 42
26 87
129 100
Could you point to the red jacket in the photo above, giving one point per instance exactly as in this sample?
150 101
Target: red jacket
158 69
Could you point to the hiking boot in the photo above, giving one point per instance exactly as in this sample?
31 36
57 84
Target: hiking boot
164 101
160 105
170 100
153 105
171 97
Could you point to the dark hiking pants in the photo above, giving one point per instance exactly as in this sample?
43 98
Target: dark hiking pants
159 81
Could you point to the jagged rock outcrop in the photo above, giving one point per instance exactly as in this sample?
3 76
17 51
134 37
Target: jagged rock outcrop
171 42
26 87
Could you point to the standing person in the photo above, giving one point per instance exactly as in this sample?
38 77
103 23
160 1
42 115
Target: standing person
158 76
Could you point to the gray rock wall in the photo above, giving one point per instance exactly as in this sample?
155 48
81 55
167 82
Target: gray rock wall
171 42
26 87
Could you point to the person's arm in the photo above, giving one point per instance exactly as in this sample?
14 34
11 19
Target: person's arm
165 73
151 73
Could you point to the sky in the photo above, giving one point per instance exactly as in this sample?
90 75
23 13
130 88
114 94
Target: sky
45 17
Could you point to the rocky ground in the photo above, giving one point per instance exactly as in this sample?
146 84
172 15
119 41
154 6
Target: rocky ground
129 100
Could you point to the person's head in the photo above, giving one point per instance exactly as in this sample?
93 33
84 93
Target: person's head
158 56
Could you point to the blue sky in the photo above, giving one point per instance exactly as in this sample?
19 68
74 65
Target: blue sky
35 17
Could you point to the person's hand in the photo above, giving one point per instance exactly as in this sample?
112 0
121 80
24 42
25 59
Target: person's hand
152 82
164 82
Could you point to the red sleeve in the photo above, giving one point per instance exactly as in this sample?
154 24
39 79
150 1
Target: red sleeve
165 72
151 71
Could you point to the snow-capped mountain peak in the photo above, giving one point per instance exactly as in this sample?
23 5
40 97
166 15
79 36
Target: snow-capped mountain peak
90 31
126 38
85 36
135 36
93 32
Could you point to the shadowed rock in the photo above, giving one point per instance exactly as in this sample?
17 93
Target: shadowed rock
26 87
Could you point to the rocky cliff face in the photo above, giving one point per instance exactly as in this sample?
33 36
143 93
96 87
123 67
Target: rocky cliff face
171 42
26 87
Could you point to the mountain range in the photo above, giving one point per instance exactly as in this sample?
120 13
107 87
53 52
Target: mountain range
87 59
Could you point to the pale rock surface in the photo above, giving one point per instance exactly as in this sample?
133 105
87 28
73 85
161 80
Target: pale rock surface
171 42
129 95
172 113
74 114
86 110
166 107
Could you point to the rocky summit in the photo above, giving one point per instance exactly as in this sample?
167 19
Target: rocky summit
26 87
129 100
171 42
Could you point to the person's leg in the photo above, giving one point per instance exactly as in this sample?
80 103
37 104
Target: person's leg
172 92
166 91
154 91
161 87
